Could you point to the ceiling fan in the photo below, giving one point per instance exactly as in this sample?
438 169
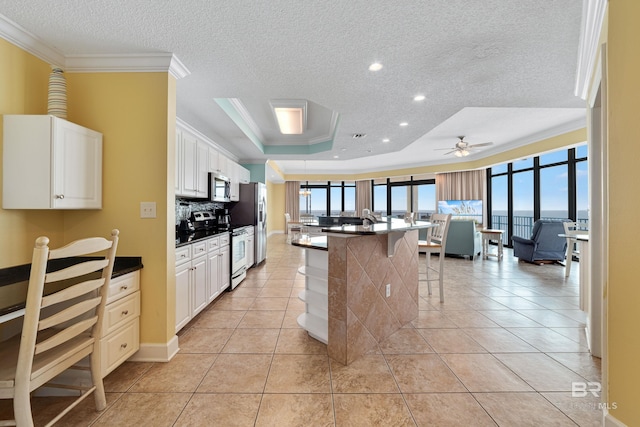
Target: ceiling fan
462 147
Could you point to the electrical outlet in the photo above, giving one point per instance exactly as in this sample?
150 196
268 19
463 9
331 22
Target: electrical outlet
147 209
388 290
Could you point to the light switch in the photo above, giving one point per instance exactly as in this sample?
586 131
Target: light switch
147 209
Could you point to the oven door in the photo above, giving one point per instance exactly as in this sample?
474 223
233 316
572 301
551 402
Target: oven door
238 256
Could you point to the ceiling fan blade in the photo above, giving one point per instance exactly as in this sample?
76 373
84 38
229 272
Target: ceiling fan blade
452 151
441 149
484 144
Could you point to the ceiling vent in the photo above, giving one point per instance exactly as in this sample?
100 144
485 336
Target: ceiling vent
358 135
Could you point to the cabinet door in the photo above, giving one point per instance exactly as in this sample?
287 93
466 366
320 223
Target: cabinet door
223 167
189 165
183 298
234 183
225 268
199 284
178 159
213 264
203 169
77 167
213 160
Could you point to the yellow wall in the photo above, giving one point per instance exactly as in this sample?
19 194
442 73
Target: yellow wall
275 210
136 114
132 112
23 90
624 204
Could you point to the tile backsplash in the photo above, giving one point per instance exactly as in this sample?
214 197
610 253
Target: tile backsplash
184 207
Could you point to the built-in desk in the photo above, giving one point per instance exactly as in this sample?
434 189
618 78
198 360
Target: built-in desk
361 285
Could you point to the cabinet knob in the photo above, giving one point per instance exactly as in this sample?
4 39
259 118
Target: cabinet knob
123 345
124 288
59 196
125 312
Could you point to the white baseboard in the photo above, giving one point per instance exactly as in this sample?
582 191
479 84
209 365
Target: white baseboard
611 421
156 352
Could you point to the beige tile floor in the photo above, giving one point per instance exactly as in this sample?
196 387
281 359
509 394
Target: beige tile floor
503 350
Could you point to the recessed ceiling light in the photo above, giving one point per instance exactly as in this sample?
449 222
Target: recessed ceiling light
385 140
376 66
419 98
343 149
404 124
335 157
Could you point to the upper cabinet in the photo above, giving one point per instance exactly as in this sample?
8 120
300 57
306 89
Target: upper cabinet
195 158
50 163
192 165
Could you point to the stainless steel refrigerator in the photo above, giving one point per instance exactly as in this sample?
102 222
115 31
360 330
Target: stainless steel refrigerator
251 209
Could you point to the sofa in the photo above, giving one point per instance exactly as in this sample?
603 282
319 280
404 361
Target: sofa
463 239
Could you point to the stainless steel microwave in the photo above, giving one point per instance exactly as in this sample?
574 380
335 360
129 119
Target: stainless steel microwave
219 188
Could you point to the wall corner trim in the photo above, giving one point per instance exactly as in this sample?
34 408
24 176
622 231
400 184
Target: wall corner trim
592 19
156 352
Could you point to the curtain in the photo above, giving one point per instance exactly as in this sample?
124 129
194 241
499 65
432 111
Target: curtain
292 199
363 196
466 185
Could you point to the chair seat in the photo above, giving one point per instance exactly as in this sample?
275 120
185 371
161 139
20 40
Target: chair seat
60 357
424 245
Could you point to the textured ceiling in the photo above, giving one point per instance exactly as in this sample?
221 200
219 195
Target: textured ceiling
495 70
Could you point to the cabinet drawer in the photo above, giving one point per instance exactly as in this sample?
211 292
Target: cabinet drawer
120 312
123 285
198 249
183 254
118 346
225 239
213 244
250 231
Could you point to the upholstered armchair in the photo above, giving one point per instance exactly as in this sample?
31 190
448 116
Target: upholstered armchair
544 244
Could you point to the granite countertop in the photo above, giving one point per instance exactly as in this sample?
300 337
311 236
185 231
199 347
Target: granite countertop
19 275
383 227
315 242
183 239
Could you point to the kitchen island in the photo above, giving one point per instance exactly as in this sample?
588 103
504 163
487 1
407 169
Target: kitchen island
361 285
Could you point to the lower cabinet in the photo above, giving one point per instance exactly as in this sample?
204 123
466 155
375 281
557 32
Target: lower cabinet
121 322
202 273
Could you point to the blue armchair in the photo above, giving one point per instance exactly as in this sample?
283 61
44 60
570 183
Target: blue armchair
544 244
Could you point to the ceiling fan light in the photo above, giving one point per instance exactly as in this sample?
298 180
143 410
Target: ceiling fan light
464 153
458 153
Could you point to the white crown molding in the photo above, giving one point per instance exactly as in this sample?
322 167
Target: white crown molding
91 63
246 117
22 38
126 63
593 12
332 128
186 126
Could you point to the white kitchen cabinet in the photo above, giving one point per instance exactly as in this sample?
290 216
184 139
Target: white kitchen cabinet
213 160
244 176
202 170
213 266
178 160
234 183
50 163
199 278
223 164
183 288
225 269
121 322
251 247
189 165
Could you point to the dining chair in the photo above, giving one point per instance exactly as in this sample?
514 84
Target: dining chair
572 229
436 243
292 227
63 323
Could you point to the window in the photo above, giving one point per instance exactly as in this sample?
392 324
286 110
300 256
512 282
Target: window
552 185
380 198
424 200
400 200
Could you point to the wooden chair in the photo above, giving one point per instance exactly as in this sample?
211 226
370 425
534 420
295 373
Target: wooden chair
435 243
293 227
62 324
572 229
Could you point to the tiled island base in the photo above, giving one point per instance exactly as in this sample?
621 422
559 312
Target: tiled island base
361 315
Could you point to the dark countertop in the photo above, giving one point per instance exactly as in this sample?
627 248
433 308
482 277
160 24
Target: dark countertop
20 273
383 227
315 242
188 238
